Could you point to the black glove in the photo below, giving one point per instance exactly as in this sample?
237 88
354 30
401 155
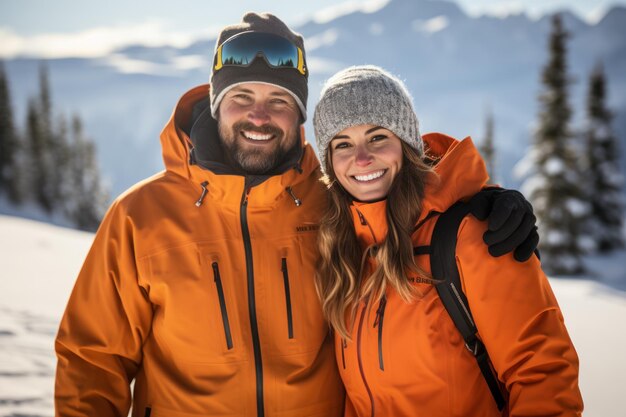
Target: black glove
510 221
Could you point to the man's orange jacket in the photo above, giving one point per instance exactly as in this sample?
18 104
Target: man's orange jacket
202 290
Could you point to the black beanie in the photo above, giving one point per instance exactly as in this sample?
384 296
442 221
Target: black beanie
287 78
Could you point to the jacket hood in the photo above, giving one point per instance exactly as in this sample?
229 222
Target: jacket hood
179 154
460 172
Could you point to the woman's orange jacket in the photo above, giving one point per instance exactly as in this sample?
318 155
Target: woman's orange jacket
208 303
408 359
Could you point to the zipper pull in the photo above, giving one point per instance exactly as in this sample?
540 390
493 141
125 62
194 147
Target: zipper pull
216 272
246 193
295 199
361 218
204 191
380 312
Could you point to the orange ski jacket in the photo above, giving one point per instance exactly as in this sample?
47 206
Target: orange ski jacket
408 359
201 289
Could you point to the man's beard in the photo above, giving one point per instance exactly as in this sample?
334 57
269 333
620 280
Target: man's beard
251 160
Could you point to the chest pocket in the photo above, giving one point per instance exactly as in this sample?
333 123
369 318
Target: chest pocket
196 319
292 307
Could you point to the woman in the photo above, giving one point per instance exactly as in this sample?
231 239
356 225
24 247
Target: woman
387 186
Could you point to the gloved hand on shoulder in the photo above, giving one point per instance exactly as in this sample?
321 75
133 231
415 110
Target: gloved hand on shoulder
510 221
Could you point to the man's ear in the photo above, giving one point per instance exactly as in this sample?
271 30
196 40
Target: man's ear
302 138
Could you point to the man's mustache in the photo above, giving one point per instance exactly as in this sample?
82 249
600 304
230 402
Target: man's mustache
264 129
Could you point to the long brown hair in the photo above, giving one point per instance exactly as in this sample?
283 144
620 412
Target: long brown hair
339 279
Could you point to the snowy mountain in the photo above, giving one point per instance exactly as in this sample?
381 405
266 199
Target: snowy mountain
40 262
457 68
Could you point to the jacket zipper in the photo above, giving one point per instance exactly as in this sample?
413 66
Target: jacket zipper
468 316
344 345
358 337
254 327
296 200
203 194
380 315
364 222
287 297
224 311
361 218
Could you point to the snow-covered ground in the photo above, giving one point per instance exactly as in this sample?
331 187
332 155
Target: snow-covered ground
39 262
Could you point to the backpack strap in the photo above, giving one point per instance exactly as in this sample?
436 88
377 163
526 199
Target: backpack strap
443 267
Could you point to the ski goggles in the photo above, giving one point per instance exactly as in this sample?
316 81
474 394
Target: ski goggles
242 49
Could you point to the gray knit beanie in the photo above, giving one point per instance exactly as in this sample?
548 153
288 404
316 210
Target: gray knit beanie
287 78
364 95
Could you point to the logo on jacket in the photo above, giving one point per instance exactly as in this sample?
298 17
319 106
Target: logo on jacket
418 280
308 228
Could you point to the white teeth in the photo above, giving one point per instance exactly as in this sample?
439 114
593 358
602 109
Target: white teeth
256 136
370 177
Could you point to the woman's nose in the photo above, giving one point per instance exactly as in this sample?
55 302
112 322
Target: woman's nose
363 157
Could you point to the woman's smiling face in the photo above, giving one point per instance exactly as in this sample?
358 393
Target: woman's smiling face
365 160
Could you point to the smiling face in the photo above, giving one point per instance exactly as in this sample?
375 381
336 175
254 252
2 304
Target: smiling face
365 160
258 125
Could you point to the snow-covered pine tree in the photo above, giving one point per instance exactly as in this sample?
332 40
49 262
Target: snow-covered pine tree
37 161
605 181
487 148
553 182
87 198
41 141
61 154
55 139
9 144
47 149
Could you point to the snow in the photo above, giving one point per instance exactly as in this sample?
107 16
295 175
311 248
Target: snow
555 237
430 26
577 207
40 262
39 265
554 166
527 164
532 184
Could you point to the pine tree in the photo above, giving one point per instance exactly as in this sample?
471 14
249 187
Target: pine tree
46 146
60 167
87 197
37 159
555 187
487 148
9 144
604 180
50 142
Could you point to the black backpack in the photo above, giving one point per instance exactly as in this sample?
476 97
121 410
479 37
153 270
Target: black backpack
443 266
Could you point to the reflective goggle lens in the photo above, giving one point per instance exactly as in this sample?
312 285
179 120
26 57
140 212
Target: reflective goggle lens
243 48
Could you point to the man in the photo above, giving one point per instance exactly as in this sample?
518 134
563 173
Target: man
199 284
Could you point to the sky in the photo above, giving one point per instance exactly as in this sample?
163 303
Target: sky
63 28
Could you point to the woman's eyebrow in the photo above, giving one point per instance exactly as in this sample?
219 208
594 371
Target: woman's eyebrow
373 129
